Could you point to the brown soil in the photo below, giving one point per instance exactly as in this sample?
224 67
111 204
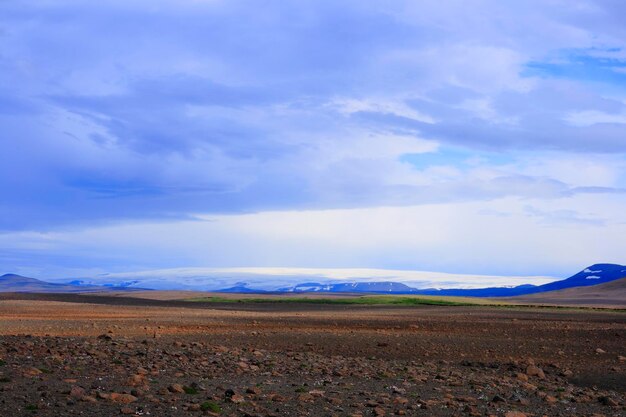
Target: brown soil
109 356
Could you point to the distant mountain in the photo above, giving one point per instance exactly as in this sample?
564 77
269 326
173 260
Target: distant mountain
481 292
390 287
18 283
593 275
125 284
241 289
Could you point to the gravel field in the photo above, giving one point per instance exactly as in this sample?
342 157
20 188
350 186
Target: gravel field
86 357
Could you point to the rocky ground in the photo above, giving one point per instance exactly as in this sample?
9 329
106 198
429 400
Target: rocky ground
59 359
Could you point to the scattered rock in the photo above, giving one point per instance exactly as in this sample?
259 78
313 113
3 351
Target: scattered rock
606 400
236 398
122 398
498 399
187 375
77 392
550 399
32 372
533 370
305 398
176 388
317 393
514 414
89 399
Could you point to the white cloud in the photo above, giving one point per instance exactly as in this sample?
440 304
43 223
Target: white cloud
396 107
576 169
361 144
592 117
484 109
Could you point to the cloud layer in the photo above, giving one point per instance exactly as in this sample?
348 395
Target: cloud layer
130 114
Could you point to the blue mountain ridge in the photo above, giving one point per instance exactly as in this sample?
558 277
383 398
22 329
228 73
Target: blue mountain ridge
593 275
242 289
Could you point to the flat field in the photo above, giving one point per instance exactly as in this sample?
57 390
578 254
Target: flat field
103 355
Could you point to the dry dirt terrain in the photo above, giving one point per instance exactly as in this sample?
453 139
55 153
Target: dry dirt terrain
73 355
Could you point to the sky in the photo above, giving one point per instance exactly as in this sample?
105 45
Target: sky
479 137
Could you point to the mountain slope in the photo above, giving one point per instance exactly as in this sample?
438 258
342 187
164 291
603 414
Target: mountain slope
593 275
609 294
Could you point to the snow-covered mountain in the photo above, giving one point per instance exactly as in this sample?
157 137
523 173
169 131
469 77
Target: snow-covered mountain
299 280
283 279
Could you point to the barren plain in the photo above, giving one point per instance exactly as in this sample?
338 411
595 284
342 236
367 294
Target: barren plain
66 355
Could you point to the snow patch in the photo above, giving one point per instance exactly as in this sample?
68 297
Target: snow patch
593 277
589 271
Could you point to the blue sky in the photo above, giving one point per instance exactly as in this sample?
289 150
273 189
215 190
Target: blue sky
485 137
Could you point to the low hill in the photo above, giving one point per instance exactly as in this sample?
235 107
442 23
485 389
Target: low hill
610 294
18 283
